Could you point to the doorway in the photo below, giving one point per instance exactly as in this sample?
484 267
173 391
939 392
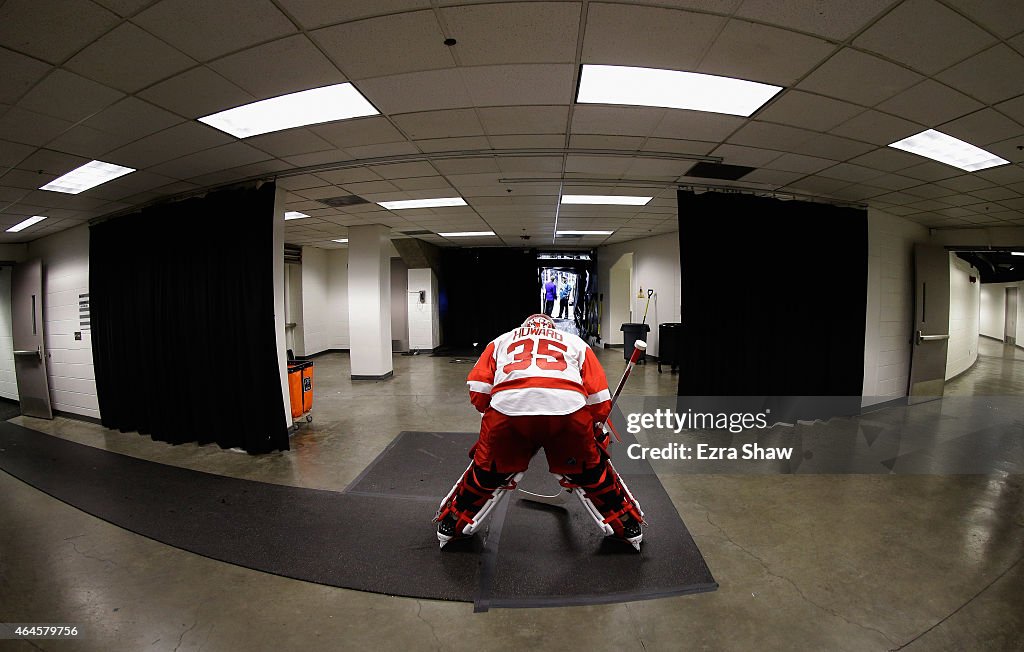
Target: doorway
620 299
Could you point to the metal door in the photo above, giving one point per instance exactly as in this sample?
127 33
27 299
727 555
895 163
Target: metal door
931 323
1010 324
29 348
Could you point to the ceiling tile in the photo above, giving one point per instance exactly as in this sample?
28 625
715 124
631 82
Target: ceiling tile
624 120
859 78
995 194
929 191
514 32
678 146
765 54
925 35
770 136
800 163
887 159
210 160
317 13
965 183
69 96
741 155
289 142
185 138
894 182
414 92
52 31
124 7
647 36
361 131
991 76
196 93
384 149
467 165
284 66
817 185
696 125
527 141
849 172
129 58
452 144
356 47
133 118
983 127
524 119
19 74
622 143
404 170
88 142
808 111
878 128
1003 18
836 20
930 103
439 124
30 128
12 153
520 84
203 35
1003 175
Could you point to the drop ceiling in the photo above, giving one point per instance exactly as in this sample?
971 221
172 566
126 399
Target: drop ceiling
493 118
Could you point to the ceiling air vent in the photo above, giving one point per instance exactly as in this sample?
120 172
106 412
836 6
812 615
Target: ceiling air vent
292 254
344 200
420 232
574 236
719 171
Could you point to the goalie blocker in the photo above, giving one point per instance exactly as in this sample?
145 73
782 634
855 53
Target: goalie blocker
537 388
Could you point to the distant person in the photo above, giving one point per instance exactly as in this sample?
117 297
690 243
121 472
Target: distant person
550 292
563 300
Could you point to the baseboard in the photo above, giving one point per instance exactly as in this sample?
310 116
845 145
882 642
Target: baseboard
77 417
381 377
874 407
324 352
989 337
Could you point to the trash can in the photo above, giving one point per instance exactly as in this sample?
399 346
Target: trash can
670 345
630 334
300 388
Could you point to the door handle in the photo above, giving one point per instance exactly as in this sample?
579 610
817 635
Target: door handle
921 337
36 352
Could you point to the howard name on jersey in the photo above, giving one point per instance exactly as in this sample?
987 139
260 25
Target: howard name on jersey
531 370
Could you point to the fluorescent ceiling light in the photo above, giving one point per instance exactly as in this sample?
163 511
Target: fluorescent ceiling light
337 102
951 151
1017 253
611 200
294 215
584 232
341 240
465 234
87 176
673 89
422 203
35 219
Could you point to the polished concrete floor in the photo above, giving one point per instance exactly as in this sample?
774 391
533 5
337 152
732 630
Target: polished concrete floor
805 562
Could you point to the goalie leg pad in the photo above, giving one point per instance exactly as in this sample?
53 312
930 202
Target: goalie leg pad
605 497
467 506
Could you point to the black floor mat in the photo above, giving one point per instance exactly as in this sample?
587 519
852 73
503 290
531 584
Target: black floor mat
9 409
377 536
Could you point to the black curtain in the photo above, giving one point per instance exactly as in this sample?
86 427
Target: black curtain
774 297
485 292
183 331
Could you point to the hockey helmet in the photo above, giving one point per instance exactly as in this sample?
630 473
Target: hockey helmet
539 320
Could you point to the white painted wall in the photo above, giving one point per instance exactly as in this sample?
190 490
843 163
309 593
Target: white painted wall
337 300
369 300
993 310
315 279
8 382
424 318
70 371
655 265
294 335
399 305
964 301
890 308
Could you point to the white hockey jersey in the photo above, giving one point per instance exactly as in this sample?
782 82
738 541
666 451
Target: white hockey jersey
533 371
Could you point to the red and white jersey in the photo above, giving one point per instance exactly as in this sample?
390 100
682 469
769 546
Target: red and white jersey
530 371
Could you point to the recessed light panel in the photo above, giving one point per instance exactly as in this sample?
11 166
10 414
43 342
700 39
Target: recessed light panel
673 89
87 176
583 232
341 240
317 105
294 215
422 203
951 151
35 219
609 200
465 234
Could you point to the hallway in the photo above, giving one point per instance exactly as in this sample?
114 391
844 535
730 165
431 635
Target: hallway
805 562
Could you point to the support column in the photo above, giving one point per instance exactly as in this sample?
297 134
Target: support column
369 301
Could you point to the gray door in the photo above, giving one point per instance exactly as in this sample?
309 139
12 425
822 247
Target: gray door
1010 325
931 323
29 349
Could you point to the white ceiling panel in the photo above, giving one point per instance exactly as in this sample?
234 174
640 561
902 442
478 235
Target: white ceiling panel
467 165
206 35
12 153
816 185
133 118
453 144
742 155
765 54
991 76
284 66
809 111
410 93
878 128
362 131
65 95
697 148
965 183
1003 18
88 142
52 31
210 160
520 84
618 120
514 32
196 93
888 159
849 172
186 138
929 171
290 142
930 103
350 45
524 119
647 36
385 149
800 163
983 127
440 124
836 19
317 13
696 125
770 136
614 166
404 170
859 78
19 74
30 128
527 141
129 58
924 35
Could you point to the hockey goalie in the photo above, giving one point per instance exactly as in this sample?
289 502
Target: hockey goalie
538 387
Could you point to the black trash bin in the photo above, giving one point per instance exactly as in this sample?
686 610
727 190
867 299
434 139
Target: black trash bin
669 345
630 334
